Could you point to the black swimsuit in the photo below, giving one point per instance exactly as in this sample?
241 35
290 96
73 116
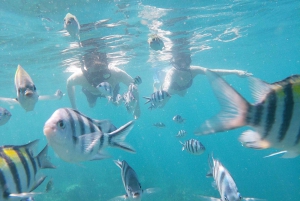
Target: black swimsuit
175 86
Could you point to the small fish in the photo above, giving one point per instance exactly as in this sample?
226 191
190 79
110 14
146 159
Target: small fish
49 186
224 183
4 116
19 170
158 99
72 25
27 95
137 80
178 119
105 89
181 133
75 137
274 118
131 183
155 42
193 146
159 125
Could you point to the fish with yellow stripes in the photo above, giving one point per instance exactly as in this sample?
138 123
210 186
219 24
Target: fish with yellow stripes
18 170
274 117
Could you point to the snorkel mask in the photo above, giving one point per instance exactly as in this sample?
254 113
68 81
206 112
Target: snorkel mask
181 62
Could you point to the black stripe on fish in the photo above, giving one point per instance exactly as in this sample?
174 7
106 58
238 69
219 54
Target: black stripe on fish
14 171
3 185
81 123
25 165
101 142
258 114
297 138
271 112
287 112
32 161
72 124
249 115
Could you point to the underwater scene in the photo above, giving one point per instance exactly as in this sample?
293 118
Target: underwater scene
149 100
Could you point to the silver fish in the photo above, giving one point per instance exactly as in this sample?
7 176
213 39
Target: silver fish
159 125
224 183
131 183
157 99
75 137
19 170
193 146
105 89
178 119
274 118
4 116
155 42
181 133
72 25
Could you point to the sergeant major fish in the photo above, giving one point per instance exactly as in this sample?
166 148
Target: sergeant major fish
159 125
27 95
105 89
131 183
157 99
275 117
75 137
4 116
178 119
18 169
193 146
224 183
181 133
137 80
72 25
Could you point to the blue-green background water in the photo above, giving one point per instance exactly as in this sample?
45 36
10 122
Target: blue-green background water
261 37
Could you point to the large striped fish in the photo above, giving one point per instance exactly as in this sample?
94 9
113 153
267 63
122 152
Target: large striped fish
224 183
76 137
131 183
274 118
27 95
18 170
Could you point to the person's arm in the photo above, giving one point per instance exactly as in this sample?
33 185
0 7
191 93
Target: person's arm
71 83
222 72
124 77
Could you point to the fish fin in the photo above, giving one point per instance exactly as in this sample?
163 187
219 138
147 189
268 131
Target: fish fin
206 198
233 107
259 88
253 199
119 198
99 156
151 190
182 145
148 99
214 185
31 146
37 183
117 137
118 163
286 154
252 139
43 159
105 125
89 141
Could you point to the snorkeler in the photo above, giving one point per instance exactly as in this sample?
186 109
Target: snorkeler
95 71
180 76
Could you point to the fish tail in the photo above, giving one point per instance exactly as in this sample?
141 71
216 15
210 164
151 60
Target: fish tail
148 99
234 108
117 137
43 159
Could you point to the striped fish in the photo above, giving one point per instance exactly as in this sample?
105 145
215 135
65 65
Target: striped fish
137 80
131 183
178 119
159 125
18 170
105 89
158 99
224 183
4 116
274 118
75 137
27 95
193 146
181 133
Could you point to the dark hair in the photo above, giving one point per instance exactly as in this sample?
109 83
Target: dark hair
95 58
181 58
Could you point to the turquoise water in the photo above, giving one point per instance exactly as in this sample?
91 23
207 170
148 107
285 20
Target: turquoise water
261 37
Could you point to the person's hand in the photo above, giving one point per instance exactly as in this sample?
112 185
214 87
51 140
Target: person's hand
242 73
59 94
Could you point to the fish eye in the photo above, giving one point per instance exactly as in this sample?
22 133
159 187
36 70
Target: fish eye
61 124
226 198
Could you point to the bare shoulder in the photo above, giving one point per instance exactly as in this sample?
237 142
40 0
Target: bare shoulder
76 78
